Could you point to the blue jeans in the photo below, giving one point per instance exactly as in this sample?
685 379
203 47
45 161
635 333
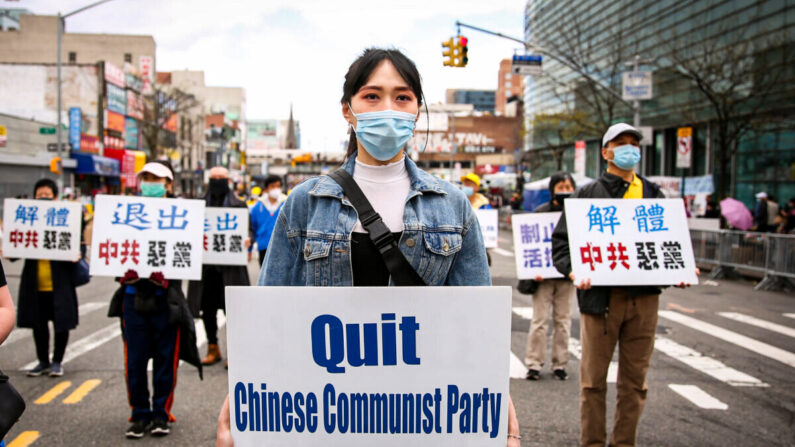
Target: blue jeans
148 335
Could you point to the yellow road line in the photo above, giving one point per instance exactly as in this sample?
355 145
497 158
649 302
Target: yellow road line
24 439
81 391
53 393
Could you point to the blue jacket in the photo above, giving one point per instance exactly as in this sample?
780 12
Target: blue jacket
263 222
311 243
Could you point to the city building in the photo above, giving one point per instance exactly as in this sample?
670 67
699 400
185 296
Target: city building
482 100
272 145
740 52
509 85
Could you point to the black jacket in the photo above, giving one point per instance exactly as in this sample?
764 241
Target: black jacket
597 299
178 313
64 296
233 275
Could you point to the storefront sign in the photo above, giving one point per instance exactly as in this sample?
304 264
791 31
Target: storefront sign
117 99
38 229
364 366
114 121
114 74
135 105
75 124
620 242
147 235
131 133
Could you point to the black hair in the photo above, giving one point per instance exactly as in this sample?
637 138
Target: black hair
557 178
270 180
48 183
361 69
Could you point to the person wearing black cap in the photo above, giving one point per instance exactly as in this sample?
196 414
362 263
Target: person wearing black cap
626 316
554 295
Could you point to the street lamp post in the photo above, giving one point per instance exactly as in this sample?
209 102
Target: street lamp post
58 131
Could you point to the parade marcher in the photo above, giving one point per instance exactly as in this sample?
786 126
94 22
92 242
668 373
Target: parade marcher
470 184
47 293
610 315
254 197
207 295
553 295
760 213
265 212
381 102
156 324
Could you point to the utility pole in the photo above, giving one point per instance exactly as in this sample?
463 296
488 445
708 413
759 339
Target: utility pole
636 103
453 147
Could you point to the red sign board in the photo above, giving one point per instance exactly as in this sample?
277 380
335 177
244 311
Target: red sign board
114 121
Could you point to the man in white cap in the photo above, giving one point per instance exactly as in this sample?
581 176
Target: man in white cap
760 213
610 315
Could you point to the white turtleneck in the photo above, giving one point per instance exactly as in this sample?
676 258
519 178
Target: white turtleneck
386 188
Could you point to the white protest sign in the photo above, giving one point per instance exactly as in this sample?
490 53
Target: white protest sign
489 226
532 244
363 366
225 233
620 242
41 229
147 235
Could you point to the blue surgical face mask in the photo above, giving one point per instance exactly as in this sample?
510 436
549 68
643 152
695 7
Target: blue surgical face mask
385 133
626 156
468 190
153 189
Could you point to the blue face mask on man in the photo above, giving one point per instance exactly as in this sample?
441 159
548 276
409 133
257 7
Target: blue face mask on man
626 156
384 133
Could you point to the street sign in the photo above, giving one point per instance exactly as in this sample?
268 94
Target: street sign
637 85
47 130
579 157
53 147
648 135
684 147
526 64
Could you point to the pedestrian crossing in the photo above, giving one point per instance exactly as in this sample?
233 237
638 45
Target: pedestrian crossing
697 361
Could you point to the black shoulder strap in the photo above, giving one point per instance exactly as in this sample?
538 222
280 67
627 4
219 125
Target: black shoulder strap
403 274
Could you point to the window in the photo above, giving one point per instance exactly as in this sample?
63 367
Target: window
128 58
507 84
72 57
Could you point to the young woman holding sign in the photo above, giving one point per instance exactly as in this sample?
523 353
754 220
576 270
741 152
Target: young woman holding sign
319 238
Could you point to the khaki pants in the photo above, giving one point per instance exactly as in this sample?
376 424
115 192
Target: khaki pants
632 322
556 294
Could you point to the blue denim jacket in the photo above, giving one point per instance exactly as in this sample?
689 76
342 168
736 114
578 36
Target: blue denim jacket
311 242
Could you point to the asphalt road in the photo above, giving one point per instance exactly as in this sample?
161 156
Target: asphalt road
722 373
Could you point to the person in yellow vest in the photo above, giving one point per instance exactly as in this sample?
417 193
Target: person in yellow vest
470 184
47 293
255 193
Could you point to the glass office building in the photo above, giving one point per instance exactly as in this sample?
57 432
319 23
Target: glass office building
602 37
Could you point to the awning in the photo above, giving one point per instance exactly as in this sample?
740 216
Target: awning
90 164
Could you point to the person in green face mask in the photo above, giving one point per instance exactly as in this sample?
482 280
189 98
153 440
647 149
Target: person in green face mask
155 180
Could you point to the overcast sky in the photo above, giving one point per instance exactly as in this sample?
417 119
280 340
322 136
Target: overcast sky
298 51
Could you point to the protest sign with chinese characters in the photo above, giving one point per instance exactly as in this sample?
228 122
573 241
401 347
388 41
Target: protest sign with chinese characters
489 227
147 235
366 366
620 242
532 242
40 229
225 233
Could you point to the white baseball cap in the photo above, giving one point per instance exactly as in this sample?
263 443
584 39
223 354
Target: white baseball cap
157 170
761 195
617 129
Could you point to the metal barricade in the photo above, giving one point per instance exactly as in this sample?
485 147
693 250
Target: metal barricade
770 255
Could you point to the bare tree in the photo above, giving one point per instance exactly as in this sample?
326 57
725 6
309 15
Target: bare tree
740 76
558 131
162 105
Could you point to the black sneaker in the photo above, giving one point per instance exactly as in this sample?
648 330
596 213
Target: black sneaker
159 428
533 374
39 369
561 374
137 430
56 370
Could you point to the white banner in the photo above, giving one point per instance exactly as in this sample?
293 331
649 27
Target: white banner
532 244
147 235
489 226
618 242
363 366
41 229
225 233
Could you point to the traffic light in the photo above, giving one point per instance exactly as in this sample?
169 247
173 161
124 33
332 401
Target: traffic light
449 50
463 50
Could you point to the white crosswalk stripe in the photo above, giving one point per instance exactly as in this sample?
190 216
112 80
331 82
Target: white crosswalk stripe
20 333
86 344
503 252
705 364
757 346
698 397
789 315
753 321
576 350
518 370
